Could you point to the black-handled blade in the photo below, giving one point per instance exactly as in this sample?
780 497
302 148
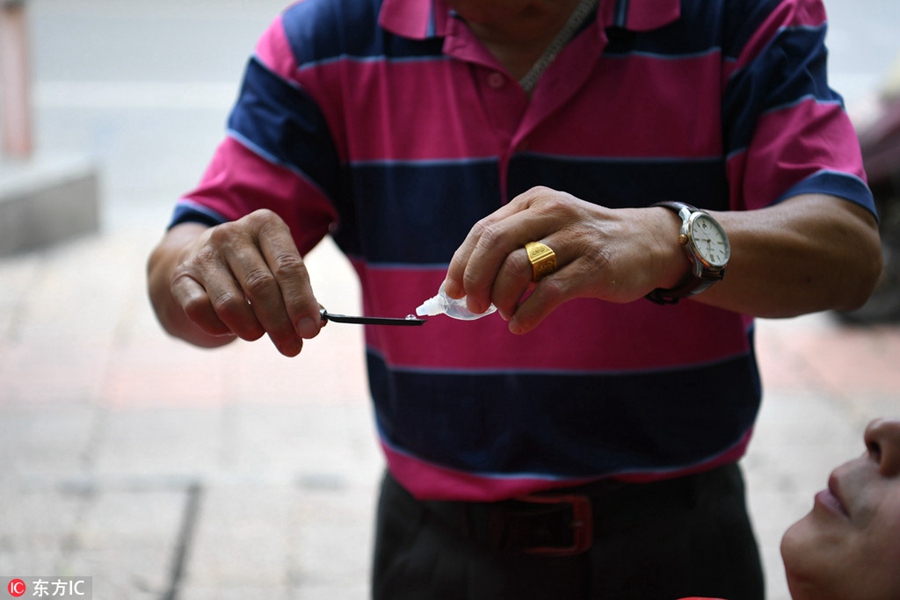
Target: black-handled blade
403 322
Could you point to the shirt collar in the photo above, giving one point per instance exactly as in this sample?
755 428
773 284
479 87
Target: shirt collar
422 19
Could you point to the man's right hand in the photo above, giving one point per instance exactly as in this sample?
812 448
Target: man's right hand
210 285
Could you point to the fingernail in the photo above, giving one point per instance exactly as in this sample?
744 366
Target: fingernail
307 328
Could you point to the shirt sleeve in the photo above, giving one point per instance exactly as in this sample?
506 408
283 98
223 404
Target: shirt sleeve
278 153
786 131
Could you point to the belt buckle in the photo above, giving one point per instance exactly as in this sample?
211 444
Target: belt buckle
582 524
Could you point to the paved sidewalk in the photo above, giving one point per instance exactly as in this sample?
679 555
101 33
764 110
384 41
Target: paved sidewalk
156 467
164 471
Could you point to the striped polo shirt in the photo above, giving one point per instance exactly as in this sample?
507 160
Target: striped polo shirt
387 125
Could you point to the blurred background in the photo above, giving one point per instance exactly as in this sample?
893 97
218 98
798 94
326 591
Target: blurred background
165 471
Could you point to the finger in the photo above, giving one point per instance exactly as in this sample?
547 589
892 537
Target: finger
455 284
260 252
194 301
573 280
217 291
542 301
264 294
546 297
493 248
292 277
513 281
516 277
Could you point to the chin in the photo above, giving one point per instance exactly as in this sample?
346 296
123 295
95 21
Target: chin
797 551
795 539
819 566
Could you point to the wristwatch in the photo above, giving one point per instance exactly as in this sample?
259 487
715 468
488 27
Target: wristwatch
707 247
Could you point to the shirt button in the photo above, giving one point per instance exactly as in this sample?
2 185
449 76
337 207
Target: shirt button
496 80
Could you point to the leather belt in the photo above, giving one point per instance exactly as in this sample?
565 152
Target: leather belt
540 524
565 522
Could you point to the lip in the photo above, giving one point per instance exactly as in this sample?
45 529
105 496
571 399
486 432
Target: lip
830 499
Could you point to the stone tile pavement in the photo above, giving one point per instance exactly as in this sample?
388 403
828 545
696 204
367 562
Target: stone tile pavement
166 471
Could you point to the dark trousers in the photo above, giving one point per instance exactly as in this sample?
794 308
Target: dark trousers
689 536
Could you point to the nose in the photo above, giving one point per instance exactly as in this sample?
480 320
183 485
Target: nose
883 442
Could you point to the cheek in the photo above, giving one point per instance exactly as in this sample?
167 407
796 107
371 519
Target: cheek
883 550
888 532
885 523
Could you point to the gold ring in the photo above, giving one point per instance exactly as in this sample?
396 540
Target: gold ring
542 259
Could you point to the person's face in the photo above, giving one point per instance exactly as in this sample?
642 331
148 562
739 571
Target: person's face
848 546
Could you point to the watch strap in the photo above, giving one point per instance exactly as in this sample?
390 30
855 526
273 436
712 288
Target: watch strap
692 283
676 206
689 286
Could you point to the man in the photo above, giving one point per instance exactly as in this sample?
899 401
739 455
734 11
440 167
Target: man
531 141
848 546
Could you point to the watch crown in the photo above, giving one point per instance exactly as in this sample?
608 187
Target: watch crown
682 239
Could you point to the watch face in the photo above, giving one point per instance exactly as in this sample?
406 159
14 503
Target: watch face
710 241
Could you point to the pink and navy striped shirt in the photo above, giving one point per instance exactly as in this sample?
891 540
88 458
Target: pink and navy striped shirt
388 125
